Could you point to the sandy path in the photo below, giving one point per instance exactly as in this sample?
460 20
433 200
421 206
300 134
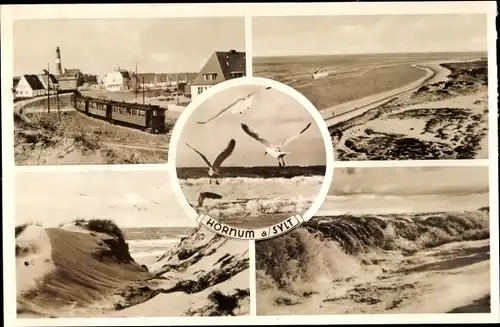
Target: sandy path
133 146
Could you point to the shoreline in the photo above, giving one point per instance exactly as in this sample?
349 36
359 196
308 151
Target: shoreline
435 73
373 101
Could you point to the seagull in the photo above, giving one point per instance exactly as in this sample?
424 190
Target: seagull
214 169
274 150
239 106
207 195
82 194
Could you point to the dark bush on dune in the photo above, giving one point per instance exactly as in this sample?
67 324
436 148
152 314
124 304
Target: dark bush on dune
104 226
117 249
20 229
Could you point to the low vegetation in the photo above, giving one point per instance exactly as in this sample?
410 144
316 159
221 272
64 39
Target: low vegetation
70 137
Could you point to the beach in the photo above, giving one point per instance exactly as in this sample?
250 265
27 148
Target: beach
403 246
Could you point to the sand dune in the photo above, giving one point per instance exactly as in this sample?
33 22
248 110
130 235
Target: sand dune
393 263
443 119
85 269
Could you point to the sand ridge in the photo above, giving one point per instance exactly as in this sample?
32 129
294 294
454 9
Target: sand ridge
84 269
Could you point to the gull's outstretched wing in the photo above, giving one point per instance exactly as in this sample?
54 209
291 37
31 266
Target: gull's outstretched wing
220 113
201 155
207 195
210 195
293 137
254 135
247 101
224 154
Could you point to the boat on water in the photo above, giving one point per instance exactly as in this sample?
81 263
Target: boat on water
320 73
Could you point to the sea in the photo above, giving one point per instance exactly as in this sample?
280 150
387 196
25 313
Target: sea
148 243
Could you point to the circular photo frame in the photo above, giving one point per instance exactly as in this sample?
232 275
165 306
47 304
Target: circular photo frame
223 146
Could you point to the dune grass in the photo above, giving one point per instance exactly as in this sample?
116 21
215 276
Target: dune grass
21 228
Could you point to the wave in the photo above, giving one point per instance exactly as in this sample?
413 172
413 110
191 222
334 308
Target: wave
298 180
333 247
258 207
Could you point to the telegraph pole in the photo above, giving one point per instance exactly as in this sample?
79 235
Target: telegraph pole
143 94
48 87
136 79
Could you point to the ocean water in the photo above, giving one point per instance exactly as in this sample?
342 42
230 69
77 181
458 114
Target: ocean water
146 244
254 201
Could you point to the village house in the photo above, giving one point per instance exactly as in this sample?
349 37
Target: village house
147 80
29 86
119 80
49 82
70 79
220 67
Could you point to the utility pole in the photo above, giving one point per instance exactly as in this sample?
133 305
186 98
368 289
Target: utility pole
143 94
48 87
136 79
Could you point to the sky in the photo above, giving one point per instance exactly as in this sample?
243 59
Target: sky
364 34
52 198
274 116
99 46
407 190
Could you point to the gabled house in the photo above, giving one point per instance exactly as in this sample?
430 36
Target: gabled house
70 79
119 80
220 67
29 86
49 82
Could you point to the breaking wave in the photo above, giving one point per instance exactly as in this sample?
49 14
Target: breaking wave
298 180
335 247
258 207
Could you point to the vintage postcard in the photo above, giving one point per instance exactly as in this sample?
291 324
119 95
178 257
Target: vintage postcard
250 164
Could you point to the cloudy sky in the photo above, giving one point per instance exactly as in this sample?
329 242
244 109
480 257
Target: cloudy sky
407 190
316 35
130 198
274 116
100 45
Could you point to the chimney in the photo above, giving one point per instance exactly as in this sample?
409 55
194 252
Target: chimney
58 62
232 51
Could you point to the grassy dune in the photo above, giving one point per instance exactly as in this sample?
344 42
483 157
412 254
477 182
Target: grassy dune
443 120
44 138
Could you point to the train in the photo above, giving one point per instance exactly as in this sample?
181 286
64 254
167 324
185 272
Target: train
145 117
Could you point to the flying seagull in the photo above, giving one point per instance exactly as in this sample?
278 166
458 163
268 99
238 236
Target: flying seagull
239 106
274 150
214 169
207 195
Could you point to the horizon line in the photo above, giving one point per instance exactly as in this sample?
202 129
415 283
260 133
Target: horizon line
370 53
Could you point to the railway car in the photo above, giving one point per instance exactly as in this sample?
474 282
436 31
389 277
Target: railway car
144 117
148 117
99 108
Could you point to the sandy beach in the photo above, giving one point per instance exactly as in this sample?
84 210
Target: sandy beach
403 246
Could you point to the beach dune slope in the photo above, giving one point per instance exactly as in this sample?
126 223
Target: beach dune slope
71 266
85 269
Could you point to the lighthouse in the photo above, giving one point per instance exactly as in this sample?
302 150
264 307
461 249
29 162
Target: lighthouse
58 62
